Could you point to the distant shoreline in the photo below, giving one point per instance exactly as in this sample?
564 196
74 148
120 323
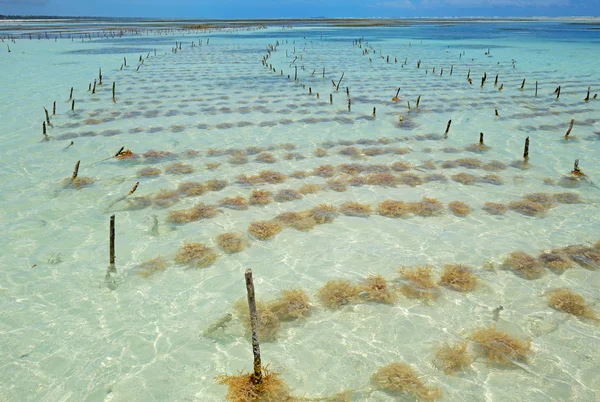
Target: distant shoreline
39 23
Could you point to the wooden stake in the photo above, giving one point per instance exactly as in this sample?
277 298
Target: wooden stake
295 73
323 72
75 171
496 111
418 101
100 76
395 98
338 83
113 92
570 128
451 69
71 94
469 74
309 90
73 105
257 375
119 152
536 88
44 130
94 88
496 80
501 87
558 93
480 138
348 91
349 103
54 109
526 151
125 61
330 99
587 98
576 171
47 117
447 128
523 84
112 241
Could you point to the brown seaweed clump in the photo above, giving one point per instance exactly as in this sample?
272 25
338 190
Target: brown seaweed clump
231 242
382 179
292 305
547 200
555 261
148 172
567 198
393 209
310 188
239 203
212 165
196 254
452 358
324 171
337 185
260 197
459 208
323 213
268 323
587 257
570 302
180 216
299 174
265 230
179 168
465 178
401 378
241 387
524 265
320 152
501 347
216 184
79 182
266 157
337 293
494 208
287 194
469 163
401 166
190 188
203 211
127 154
419 283
427 207
355 209
238 158
410 179
157 155
458 277
528 208
494 166
492 179
272 177
376 289
148 268
166 198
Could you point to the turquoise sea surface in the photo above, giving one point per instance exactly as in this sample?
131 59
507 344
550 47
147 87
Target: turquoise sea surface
223 107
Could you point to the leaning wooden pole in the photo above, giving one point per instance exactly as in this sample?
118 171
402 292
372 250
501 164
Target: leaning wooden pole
112 242
257 375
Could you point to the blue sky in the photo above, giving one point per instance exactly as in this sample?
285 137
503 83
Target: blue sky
301 8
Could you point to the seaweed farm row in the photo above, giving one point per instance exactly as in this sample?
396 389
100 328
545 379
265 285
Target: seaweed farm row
418 206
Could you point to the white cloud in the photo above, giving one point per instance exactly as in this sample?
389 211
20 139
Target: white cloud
495 3
404 4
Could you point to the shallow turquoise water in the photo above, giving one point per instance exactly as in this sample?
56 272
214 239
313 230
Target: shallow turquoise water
69 335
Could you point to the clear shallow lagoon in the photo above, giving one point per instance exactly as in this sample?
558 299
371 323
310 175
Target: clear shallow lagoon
66 335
